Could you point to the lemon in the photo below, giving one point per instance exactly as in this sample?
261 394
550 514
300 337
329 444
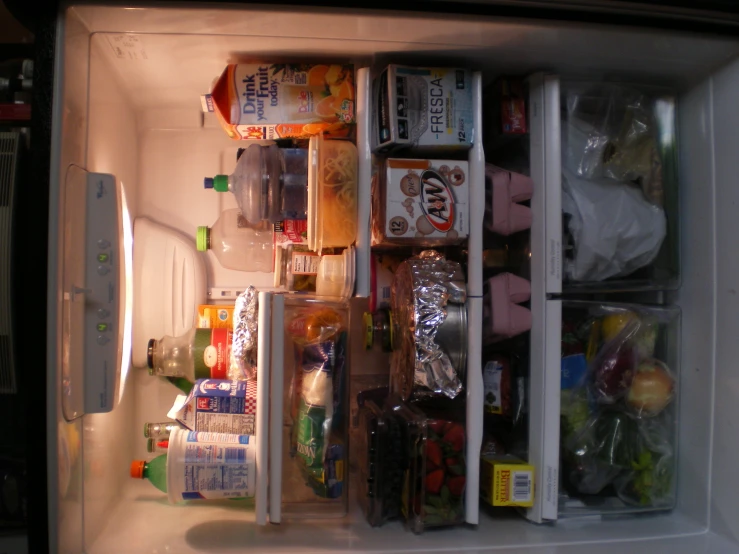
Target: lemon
612 325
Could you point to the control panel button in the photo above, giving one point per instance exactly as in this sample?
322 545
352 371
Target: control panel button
103 244
103 270
103 257
103 313
102 327
103 340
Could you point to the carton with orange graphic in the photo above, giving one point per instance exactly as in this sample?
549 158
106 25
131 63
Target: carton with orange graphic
273 101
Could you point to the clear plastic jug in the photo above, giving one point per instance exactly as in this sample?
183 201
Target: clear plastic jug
270 183
237 243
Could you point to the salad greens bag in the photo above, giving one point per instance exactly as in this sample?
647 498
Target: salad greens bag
618 397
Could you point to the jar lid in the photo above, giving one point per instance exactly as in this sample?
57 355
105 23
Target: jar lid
150 355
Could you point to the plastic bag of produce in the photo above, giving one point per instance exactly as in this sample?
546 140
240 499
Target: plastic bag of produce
614 229
650 480
612 131
618 419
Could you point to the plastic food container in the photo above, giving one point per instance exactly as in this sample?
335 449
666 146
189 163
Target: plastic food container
336 274
210 465
382 465
316 409
332 194
435 480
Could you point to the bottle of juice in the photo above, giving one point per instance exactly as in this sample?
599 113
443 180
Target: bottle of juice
237 243
198 354
271 101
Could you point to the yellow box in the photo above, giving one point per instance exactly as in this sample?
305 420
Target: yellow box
507 481
215 317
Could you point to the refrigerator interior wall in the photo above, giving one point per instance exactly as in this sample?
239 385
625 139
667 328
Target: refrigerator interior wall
143 124
710 118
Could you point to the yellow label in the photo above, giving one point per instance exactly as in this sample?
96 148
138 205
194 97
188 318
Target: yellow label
507 483
215 317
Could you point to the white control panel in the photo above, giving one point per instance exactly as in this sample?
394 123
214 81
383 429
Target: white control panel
103 293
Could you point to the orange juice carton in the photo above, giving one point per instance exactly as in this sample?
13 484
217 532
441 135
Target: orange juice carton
274 101
421 202
427 108
211 316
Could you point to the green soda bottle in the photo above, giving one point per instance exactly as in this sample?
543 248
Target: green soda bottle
155 471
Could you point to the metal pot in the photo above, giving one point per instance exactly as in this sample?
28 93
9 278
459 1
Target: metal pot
452 337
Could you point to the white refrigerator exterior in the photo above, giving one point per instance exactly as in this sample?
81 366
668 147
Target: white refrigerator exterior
127 91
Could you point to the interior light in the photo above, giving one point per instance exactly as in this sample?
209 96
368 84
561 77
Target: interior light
127 245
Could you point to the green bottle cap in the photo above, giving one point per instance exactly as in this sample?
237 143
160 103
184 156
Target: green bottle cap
220 183
202 239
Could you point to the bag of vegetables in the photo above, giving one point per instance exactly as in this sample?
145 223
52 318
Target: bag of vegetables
618 420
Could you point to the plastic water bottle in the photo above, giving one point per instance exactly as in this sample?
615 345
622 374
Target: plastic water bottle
237 243
270 183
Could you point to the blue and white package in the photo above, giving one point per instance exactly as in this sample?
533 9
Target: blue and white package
210 466
218 406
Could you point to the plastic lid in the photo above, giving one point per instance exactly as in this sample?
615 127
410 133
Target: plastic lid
208 182
220 183
202 239
137 469
150 355
146 430
369 330
151 446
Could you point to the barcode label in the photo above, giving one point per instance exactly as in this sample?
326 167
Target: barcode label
235 455
521 486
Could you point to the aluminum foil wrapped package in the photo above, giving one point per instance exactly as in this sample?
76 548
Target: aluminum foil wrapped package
421 289
244 347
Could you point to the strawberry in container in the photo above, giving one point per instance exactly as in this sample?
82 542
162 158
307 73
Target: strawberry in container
435 481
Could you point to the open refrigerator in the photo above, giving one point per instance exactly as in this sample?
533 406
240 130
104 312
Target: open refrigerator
131 145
